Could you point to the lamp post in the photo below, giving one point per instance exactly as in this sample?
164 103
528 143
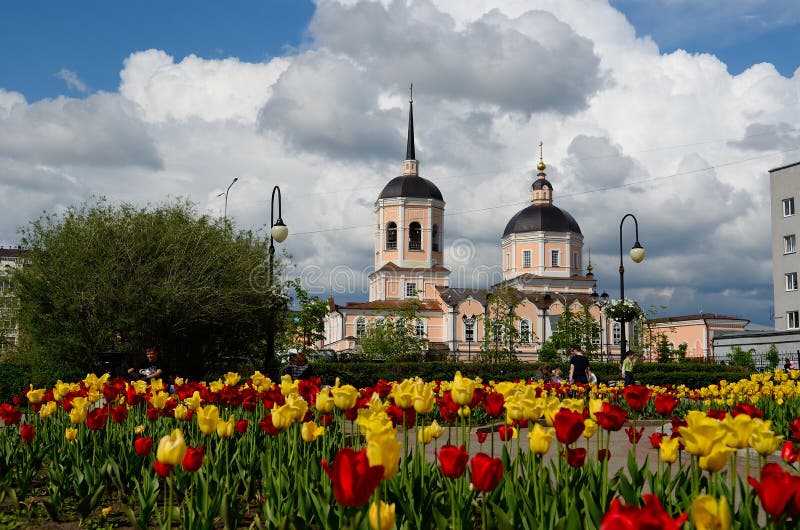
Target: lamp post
469 320
601 301
225 193
637 254
278 231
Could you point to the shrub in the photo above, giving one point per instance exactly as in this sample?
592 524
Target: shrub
13 381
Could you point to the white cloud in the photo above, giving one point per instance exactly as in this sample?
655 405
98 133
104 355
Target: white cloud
72 80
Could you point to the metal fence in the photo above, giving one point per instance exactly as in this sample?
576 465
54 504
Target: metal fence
760 358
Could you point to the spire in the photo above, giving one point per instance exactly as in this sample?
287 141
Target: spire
410 155
541 190
541 165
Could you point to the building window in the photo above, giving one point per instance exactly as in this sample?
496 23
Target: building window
469 329
419 328
361 326
791 281
574 260
789 244
616 334
435 238
411 290
526 259
508 261
525 331
380 322
554 258
792 321
414 236
788 207
596 339
391 236
637 333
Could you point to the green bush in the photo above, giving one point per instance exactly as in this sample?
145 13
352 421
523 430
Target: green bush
14 380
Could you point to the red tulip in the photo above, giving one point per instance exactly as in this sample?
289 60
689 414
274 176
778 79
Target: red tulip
241 426
486 472
354 480
794 428
453 460
603 455
716 414
268 427
677 423
27 432
576 457
665 404
325 419
493 404
789 453
778 491
481 435
747 408
649 516
143 445
96 419
9 414
506 432
611 417
637 396
162 470
193 459
153 413
655 439
633 435
119 414
569 425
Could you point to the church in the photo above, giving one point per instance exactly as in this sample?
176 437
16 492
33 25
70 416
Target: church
542 265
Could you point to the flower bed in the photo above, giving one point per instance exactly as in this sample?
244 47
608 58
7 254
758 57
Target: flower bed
252 453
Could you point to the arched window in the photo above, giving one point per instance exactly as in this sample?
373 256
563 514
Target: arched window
391 236
616 333
380 322
414 236
525 331
419 328
435 238
361 326
636 336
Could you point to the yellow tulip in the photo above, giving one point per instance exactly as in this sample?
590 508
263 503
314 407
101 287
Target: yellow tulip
171 448
589 428
424 398
716 459
288 386
216 386
156 385
325 401
426 435
35 396
47 409
310 431
260 382
139 386
194 402
709 513
515 407
575 405
384 451
225 428
701 436
139 429
297 406
344 397
71 434
540 439
77 415
207 419
595 406
550 407
765 442
180 412
232 378
60 390
179 381
159 400
403 394
738 429
282 417
462 389
464 412
669 450
93 395
382 520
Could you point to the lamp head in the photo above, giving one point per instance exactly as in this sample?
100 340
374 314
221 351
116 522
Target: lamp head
604 298
594 296
637 252
279 231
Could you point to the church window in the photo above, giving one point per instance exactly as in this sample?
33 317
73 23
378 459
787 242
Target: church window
616 334
525 331
414 236
574 260
391 236
555 258
508 261
419 328
411 290
435 238
526 259
361 326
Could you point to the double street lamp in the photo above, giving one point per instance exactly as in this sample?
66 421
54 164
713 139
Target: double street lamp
637 254
278 231
469 337
225 193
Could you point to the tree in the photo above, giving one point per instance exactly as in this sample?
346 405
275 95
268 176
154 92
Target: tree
393 338
306 326
773 358
501 334
162 274
663 350
680 352
576 329
740 357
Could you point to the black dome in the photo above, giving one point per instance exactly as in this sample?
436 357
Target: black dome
411 186
540 183
541 217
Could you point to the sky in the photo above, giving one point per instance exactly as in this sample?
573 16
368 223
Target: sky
673 110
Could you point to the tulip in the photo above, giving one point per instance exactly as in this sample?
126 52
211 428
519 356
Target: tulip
161 469
60 390
794 428
282 417
159 400
232 379
665 404
194 402
48 409
381 518
481 435
485 472
27 432
180 412
777 491
345 397
77 415
403 394
701 434
611 417
424 399
207 419
603 455
576 457
506 432
143 445
242 425
589 428
540 439
765 442
193 459
462 389
452 460
655 439
709 513
738 429
426 435
325 402
651 515
569 426
96 419
716 459
225 428
384 450
633 435
119 413
637 396
310 431
669 450
35 396
354 480
171 448
493 404
71 434
789 453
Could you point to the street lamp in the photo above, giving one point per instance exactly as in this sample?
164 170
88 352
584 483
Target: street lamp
225 193
469 321
637 254
278 231
601 301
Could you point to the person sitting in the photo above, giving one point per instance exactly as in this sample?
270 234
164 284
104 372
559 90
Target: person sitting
150 368
592 378
298 367
542 374
556 378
